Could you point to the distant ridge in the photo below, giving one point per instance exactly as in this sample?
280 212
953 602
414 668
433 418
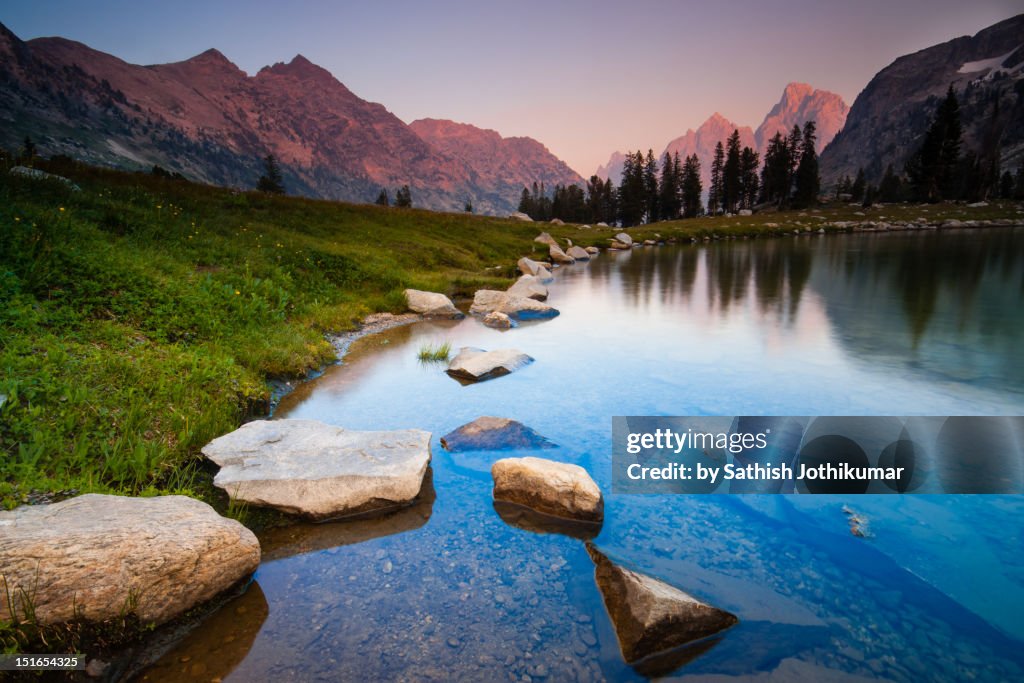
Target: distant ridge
206 118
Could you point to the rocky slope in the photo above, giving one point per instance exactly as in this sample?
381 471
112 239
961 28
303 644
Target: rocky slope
503 165
890 116
206 118
801 103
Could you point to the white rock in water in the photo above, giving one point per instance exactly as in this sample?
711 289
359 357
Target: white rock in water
625 239
529 286
554 488
593 251
99 554
519 307
578 253
320 471
431 304
477 365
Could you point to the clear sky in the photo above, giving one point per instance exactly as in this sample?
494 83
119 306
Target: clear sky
583 77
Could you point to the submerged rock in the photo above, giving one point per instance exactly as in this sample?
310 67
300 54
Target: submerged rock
431 304
477 365
493 434
529 286
651 616
320 471
101 554
554 488
578 253
499 321
519 307
540 523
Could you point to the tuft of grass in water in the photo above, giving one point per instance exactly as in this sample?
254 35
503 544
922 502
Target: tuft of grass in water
429 353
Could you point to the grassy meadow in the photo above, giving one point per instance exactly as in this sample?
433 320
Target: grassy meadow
141 317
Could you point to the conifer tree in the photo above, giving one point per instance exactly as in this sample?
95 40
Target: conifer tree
651 207
749 160
808 183
691 187
731 188
382 198
403 197
715 191
271 181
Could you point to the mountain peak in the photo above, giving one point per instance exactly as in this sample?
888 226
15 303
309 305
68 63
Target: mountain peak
212 58
299 68
796 90
800 103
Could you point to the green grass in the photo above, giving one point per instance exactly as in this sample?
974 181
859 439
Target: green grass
141 317
429 353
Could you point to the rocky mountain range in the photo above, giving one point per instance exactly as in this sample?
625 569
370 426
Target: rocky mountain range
507 163
799 103
887 121
207 119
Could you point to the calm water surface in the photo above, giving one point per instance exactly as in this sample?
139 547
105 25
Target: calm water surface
887 324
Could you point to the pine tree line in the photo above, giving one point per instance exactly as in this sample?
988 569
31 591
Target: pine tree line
671 188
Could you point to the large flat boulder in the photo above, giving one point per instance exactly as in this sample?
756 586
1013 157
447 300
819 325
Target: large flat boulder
102 554
624 238
477 365
493 434
518 307
431 304
520 216
320 471
649 615
529 286
553 488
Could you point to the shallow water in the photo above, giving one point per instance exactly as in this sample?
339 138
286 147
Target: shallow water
886 324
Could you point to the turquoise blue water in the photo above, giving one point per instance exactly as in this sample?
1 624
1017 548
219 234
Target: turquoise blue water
880 324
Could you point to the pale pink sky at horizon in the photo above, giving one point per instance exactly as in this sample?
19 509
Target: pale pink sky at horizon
583 78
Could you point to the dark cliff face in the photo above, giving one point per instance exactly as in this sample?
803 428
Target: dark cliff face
888 119
208 119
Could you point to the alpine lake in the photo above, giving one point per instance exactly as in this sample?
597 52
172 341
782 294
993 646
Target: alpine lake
451 588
